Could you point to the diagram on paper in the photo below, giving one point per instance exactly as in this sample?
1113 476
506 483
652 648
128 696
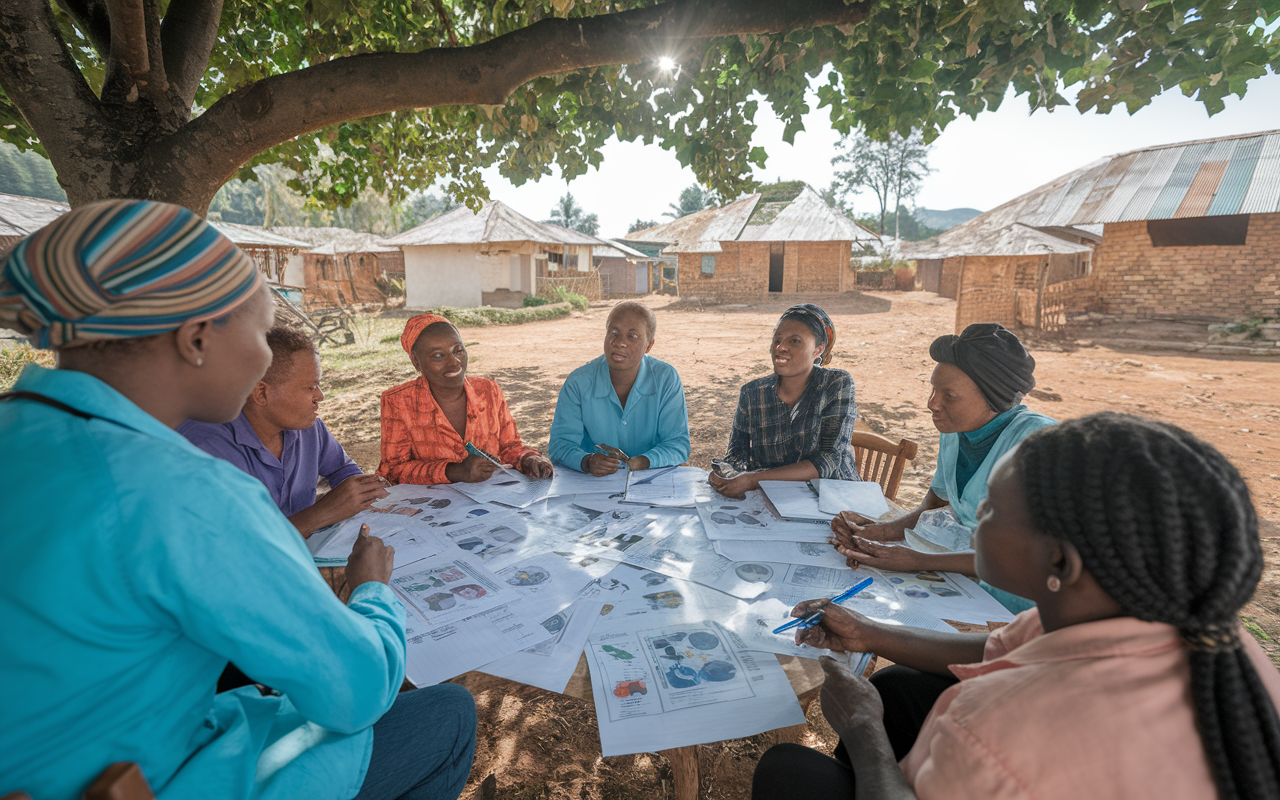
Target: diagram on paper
671 668
444 590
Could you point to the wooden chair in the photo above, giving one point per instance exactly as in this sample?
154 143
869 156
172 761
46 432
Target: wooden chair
881 460
120 781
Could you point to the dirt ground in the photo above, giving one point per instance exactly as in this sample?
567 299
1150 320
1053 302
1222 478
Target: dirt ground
536 744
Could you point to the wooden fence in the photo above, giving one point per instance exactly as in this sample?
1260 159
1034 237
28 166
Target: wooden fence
587 285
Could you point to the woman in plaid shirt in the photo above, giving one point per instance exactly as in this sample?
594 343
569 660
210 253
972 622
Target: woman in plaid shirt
795 424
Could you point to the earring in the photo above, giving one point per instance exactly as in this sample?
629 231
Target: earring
1054 583
199 362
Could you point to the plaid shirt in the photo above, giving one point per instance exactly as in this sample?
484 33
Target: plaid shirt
418 441
766 434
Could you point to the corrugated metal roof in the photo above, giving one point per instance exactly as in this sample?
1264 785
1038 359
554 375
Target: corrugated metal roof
253 236
1209 177
22 216
1015 240
573 237
711 246
616 249
496 222
722 224
807 218
343 240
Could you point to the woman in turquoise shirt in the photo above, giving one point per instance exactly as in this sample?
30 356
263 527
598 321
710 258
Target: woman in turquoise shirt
978 383
626 400
145 565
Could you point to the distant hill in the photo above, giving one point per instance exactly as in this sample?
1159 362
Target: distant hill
942 220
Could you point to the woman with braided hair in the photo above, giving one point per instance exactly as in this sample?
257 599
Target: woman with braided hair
1132 676
795 424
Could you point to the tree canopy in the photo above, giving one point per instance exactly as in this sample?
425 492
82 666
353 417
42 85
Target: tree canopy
692 199
144 98
891 170
569 214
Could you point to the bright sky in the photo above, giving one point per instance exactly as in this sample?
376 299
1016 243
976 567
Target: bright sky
977 163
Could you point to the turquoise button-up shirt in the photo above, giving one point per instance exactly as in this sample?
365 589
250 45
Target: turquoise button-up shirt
655 423
138 566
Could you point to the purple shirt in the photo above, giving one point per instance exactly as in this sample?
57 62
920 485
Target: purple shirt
291 479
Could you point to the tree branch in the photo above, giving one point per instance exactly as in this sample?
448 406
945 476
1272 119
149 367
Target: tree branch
128 64
90 16
444 18
187 36
41 79
281 107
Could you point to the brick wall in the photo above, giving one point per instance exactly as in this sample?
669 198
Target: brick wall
949 283
987 291
742 271
1216 282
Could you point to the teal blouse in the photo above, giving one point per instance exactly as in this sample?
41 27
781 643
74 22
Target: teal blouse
654 424
139 567
1014 425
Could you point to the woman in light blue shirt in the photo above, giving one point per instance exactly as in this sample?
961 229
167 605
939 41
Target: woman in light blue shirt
626 400
145 565
978 383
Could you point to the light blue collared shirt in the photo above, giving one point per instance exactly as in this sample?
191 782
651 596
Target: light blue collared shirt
142 565
655 423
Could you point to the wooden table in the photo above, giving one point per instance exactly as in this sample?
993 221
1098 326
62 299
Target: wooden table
806 678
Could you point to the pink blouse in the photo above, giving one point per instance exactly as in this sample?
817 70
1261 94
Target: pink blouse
1101 709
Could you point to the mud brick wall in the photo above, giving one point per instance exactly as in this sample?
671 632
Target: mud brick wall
1218 282
987 292
949 283
742 271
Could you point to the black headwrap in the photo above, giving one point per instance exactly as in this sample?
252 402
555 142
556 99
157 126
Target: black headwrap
816 320
994 358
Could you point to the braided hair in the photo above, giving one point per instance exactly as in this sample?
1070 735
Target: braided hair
1165 525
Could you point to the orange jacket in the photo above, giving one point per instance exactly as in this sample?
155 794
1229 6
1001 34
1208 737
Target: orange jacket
418 442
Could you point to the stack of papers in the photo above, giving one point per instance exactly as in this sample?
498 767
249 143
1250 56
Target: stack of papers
863 497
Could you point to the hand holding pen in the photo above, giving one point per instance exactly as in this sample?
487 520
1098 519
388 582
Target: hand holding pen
824 624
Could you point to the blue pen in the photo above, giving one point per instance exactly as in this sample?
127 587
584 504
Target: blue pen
812 619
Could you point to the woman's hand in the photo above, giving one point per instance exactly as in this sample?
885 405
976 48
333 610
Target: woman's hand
849 524
849 701
600 465
734 488
471 469
370 560
536 466
894 558
839 629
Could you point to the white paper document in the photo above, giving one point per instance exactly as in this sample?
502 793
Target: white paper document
948 595
508 488
688 554
669 487
550 664
794 500
864 497
568 482
449 587
683 684
438 653
751 519
550 581
818 554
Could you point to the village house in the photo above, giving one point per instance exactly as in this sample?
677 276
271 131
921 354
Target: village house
624 270
748 249
1181 231
458 257
339 266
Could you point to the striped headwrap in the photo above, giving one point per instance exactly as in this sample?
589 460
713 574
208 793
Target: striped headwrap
118 269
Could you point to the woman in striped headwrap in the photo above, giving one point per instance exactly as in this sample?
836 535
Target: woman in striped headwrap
795 424
144 565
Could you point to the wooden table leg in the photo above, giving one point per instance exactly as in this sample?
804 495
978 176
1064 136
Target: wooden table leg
684 771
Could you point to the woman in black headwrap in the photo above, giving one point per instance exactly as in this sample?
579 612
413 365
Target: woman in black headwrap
795 424
978 385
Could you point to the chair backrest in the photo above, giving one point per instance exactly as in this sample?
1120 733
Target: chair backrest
882 460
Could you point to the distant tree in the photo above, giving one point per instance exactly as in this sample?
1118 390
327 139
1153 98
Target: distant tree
568 213
904 221
641 224
422 206
891 170
692 200
780 191
832 196
238 201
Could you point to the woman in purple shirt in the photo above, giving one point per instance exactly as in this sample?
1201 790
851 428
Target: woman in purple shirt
279 439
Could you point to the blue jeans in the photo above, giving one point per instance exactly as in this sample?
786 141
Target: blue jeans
422 747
